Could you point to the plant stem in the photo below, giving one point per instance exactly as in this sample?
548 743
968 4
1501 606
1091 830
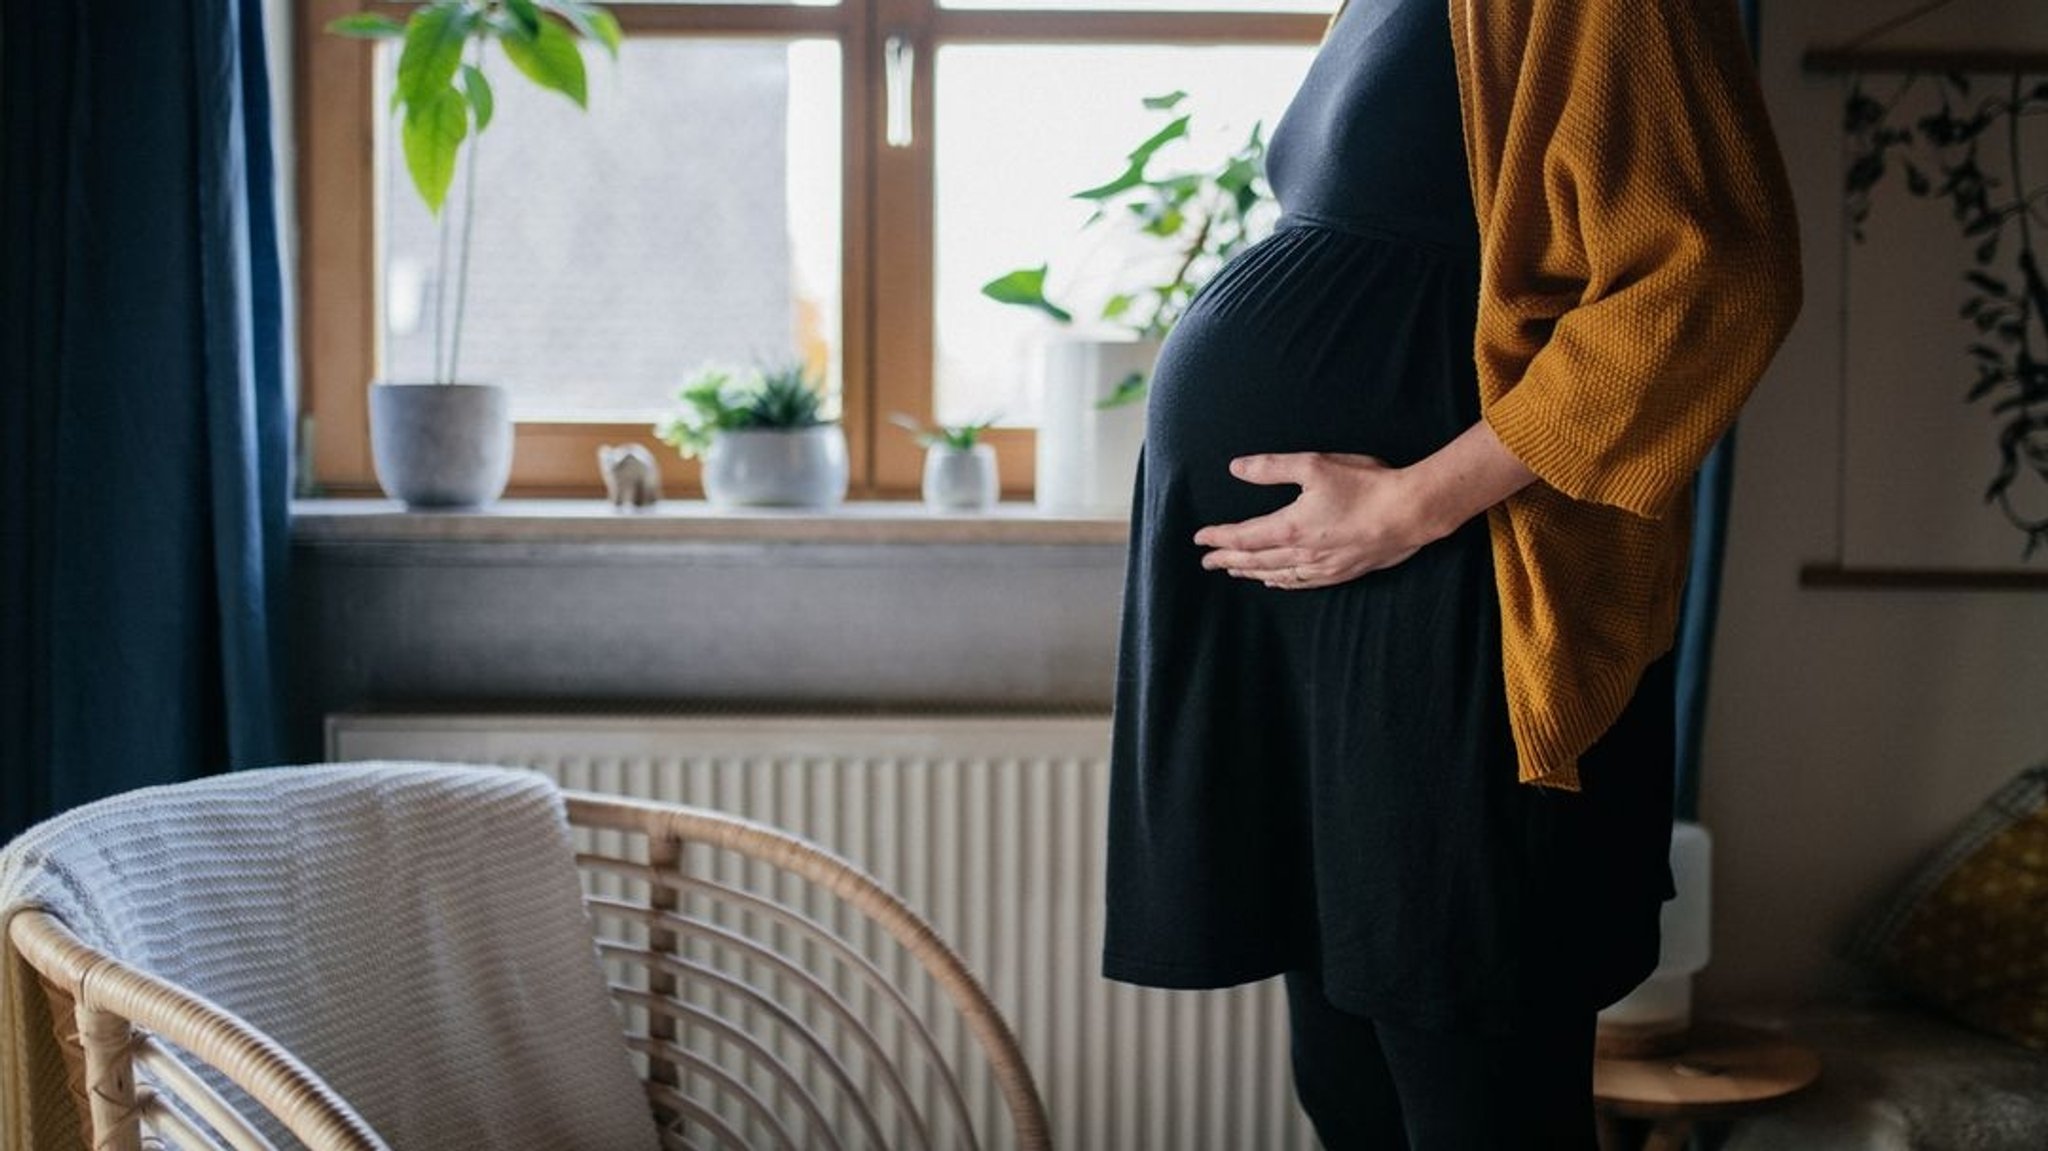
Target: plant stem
476 144
2033 309
440 295
1180 274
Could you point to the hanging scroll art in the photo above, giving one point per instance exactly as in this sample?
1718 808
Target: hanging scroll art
1945 300
1947 452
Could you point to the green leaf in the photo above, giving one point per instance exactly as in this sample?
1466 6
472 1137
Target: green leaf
1131 178
478 91
526 15
605 27
432 133
1159 139
1182 188
1129 390
1989 284
367 26
433 50
1025 287
1166 223
1166 102
589 19
1116 306
1237 175
1134 175
551 61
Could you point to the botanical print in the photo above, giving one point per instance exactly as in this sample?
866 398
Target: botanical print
1971 145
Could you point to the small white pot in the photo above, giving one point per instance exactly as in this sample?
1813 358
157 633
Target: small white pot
960 479
1088 456
441 446
1655 1017
777 467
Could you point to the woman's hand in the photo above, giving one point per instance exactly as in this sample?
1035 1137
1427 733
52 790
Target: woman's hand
1356 514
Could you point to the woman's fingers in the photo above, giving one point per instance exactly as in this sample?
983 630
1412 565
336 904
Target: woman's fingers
1259 561
1274 529
1276 467
1353 515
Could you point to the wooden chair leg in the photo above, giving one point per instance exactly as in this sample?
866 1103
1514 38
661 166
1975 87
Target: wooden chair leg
109 1045
1614 1132
1669 1135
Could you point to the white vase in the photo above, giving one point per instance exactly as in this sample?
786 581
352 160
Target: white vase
777 467
1657 1014
441 446
960 479
1088 455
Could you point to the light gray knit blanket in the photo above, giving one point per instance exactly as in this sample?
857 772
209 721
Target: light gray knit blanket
414 933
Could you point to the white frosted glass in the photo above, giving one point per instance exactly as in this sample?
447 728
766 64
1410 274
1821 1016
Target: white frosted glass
690 214
1011 149
1150 5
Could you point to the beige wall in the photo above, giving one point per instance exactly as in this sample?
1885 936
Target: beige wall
1848 731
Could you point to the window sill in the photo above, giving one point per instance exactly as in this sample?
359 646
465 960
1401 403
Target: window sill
341 521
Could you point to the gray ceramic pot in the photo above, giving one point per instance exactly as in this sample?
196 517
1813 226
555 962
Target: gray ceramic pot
777 467
441 445
960 479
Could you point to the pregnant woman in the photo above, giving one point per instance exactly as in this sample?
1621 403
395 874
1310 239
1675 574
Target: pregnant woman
1394 697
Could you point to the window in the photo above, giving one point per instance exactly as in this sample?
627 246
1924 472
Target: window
754 181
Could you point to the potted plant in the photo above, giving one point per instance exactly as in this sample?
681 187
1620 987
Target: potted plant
763 435
959 469
446 442
1094 380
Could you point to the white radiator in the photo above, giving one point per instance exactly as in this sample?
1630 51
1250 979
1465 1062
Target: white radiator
992 827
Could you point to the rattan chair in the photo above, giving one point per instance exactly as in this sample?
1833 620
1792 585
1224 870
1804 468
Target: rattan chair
774 996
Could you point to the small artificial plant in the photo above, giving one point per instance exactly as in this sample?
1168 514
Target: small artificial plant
717 399
959 437
1204 216
443 101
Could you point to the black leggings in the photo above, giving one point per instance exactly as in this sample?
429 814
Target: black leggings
1372 1086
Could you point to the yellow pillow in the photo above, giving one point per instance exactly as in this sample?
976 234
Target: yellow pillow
1968 934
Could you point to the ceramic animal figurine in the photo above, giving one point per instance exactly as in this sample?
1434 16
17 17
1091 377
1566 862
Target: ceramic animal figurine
631 478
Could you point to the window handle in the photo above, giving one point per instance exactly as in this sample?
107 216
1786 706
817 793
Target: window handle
899 64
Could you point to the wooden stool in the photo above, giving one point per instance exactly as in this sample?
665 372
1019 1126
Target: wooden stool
1723 1072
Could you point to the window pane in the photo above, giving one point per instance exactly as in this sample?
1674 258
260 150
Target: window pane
1012 150
670 3
617 249
1151 5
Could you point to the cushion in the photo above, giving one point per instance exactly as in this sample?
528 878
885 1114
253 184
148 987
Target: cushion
1966 934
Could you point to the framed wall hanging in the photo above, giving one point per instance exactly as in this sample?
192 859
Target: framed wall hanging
1944 416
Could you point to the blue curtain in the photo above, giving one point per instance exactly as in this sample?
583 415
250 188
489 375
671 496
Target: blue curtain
1702 605
144 450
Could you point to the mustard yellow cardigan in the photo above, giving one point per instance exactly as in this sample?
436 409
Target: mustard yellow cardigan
1639 265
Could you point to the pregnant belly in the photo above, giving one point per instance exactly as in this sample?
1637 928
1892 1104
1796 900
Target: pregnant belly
1312 340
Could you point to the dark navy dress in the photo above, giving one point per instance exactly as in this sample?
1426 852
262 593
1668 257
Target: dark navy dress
1325 778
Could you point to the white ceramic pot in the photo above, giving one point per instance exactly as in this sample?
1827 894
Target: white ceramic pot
441 446
1087 455
1656 1015
960 479
777 467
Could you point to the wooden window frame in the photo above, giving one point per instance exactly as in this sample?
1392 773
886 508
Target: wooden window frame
886 337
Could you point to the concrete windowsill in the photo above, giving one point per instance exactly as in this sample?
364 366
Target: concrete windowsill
569 521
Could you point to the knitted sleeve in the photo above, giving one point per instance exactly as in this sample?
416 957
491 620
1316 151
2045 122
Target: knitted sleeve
1645 257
